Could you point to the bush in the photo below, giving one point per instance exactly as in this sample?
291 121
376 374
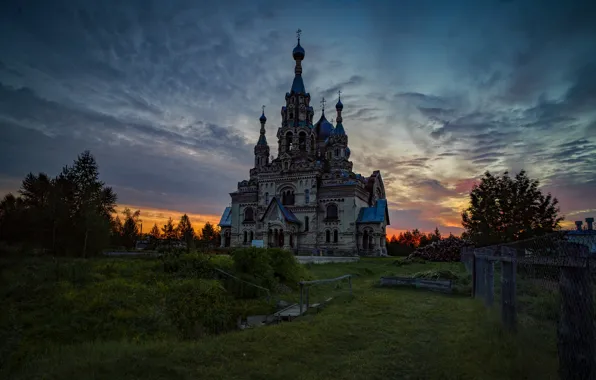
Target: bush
225 263
255 262
285 267
443 250
199 307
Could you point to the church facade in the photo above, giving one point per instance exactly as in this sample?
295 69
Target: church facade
307 199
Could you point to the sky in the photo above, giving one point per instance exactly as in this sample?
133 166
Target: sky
167 95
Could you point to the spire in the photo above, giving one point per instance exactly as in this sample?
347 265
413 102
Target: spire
339 128
263 120
298 54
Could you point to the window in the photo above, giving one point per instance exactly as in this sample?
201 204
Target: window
306 223
266 199
287 197
252 236
289 138
306 196
335 236
245 237
327 236
336 152
249 215
291 115
302 141
332 212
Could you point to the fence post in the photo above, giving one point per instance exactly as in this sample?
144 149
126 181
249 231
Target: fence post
474 274
350 284
489 286
508 288
307 288
480 269
576 338
301 291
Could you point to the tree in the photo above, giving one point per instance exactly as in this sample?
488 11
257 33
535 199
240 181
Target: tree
169 231
130 228
504 209
186 232
155 233
209 234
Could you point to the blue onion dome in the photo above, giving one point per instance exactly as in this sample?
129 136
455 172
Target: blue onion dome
339 106
298 52
263 119
323 128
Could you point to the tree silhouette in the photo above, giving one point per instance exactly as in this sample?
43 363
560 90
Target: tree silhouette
186 232
155 233
504 209
71 213
169 232
130 228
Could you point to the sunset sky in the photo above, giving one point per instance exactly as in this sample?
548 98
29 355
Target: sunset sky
167 95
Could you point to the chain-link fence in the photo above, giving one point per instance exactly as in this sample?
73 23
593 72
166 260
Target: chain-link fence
544 284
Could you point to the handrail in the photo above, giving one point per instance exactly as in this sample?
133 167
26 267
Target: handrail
322 281
325 280
246 282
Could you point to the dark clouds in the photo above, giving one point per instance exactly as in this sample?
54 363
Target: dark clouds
167 94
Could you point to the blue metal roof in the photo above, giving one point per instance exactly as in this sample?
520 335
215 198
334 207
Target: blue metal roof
226 218
262 140
339 129
376 214
298 85
288 215
324 128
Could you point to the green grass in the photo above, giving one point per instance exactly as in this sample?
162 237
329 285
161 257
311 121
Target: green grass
380 333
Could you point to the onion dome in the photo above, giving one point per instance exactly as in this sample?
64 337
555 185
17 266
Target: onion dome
323 128
298 52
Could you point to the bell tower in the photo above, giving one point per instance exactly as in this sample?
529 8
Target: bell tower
337 149
296 137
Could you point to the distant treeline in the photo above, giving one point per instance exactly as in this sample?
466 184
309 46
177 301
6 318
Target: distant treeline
74 214
407 242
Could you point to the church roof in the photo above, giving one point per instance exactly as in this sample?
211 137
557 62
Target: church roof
298 85
323 128
288 215
226 218
376 214
262 140
339 129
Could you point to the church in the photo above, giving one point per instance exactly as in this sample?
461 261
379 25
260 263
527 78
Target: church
308 199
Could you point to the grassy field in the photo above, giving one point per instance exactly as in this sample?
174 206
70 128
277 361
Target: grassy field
378 334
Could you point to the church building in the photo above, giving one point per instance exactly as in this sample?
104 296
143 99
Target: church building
307 199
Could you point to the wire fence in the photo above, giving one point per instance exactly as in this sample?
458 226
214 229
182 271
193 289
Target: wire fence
544 283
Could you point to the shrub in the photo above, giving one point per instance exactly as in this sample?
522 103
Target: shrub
223 262
255 262
199 307
285 266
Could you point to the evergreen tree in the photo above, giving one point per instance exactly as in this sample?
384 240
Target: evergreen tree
186 232
504 209
208 233
169 231
155 233
130 228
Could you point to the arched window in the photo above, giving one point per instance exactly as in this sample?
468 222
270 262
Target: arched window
336 152
266 199
332 211
249 215
245 236
289 138
335 236
306 196
287 197
306 223
252 236
327 236
302 141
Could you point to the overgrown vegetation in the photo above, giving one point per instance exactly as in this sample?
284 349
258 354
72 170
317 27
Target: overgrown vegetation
128 319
